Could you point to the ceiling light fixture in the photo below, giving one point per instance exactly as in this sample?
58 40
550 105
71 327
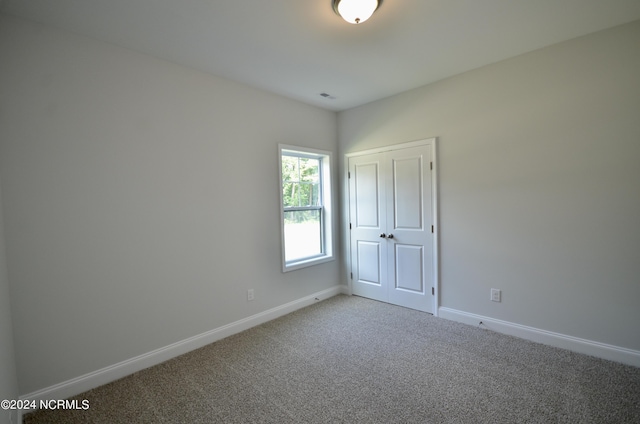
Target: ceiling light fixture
355 11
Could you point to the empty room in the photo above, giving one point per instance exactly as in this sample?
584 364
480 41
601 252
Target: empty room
323 211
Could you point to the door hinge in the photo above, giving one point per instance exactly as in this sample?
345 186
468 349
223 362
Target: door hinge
349 174
432 228
349 225
431 165
433 291
352 275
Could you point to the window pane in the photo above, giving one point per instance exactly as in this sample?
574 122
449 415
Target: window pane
309 170
290 168
302 234
314 195
290 194
308 195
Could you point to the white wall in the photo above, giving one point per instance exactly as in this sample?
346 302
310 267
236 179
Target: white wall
539 183
8 376
141 201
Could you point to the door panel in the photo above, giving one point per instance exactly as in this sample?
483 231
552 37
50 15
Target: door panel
368 265
407 189
408 267
390 215
367 205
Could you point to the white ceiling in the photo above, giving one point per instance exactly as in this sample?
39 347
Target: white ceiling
300 48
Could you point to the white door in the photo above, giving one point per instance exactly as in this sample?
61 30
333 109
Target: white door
368 223
391 226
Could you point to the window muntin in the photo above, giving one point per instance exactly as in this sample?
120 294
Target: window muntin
305 206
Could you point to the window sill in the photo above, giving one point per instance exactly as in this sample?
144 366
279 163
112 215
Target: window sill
292 266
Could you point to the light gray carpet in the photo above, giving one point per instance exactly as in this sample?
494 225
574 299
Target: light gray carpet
354 360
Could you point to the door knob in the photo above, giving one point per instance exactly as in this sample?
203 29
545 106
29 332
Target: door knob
390 236
383 235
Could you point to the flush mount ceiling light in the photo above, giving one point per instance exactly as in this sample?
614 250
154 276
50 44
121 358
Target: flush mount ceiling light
355 11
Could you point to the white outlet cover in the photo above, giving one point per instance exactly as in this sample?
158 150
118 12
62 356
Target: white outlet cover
496 295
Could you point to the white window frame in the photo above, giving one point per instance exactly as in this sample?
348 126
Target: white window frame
327 212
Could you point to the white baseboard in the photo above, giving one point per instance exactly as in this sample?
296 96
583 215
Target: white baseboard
588 347
111 373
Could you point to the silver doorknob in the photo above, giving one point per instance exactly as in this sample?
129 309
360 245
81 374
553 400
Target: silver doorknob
390 236
383 235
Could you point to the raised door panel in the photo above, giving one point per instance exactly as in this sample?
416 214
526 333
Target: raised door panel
407 194
368 263
409 268
366 178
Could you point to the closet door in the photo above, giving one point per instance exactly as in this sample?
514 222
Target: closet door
390 218
409 237
368 221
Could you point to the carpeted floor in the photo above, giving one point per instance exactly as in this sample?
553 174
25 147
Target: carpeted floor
354 360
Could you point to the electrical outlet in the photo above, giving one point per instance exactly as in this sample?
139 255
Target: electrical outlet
496 295
250 295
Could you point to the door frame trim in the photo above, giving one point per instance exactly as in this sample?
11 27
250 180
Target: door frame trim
433 142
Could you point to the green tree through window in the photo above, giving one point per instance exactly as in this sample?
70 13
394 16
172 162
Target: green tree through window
300 182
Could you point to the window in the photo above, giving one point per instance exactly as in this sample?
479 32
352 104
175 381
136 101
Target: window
305 200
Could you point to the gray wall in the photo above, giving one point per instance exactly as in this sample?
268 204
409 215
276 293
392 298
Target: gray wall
141 201
8 376
539 183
